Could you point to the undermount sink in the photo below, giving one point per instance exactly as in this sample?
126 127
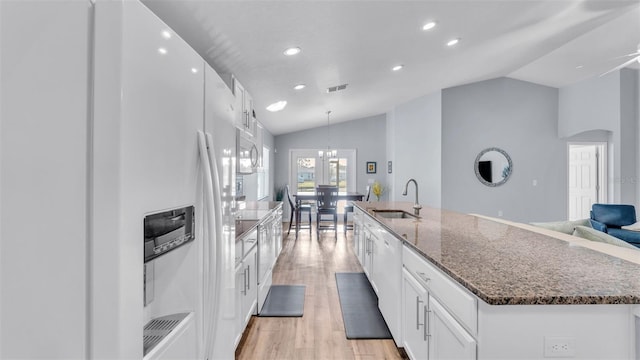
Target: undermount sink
395 214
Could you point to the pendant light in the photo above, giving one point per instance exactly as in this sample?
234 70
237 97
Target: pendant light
329 153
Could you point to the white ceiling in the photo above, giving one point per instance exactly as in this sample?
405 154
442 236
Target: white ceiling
357 42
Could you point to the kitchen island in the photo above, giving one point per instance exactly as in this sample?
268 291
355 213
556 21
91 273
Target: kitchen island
500 289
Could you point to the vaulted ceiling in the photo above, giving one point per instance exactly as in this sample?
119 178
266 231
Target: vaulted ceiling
357 42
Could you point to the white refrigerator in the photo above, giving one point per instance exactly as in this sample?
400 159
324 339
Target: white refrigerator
107 117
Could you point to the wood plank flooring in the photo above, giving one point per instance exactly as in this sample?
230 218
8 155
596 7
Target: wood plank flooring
319 334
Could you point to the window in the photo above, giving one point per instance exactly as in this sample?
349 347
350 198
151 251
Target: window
263 174
308 169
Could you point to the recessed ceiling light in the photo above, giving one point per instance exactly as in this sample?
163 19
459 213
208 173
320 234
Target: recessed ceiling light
397 67
453 42
300 86
194 70
579 66
166 34
277 106
292 51
430 25
162 51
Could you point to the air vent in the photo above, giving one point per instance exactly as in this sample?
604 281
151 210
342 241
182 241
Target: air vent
337 88
158 329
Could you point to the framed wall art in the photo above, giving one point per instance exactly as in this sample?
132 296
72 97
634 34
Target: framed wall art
371 167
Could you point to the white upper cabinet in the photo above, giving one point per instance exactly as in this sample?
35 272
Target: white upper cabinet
245 115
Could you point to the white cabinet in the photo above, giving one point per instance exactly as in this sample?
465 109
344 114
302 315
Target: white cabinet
431 330
245 115
266 254
449 340
382 263
277 233
246 284
358 234
370 244
269 238
414 317
388 273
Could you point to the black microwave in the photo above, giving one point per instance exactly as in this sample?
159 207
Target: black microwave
167 230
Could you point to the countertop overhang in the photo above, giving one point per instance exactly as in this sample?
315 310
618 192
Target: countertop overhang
251 213
505 264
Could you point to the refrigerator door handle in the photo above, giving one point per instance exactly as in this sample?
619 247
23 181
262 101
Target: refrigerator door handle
216 243
210 246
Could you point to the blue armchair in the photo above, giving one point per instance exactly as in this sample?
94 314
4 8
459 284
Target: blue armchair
609 218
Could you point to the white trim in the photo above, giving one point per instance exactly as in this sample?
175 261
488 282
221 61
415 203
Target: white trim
321 169
602 169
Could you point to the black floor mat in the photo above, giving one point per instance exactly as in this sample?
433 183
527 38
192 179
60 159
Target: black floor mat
284 301
359 303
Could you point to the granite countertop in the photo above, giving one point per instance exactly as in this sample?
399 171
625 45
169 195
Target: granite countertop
508 265
251 213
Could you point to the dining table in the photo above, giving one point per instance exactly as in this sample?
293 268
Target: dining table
311 196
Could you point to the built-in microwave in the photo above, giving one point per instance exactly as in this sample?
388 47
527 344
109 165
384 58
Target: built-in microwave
247 153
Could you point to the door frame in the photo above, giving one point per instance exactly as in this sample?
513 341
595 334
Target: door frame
350 154
602 170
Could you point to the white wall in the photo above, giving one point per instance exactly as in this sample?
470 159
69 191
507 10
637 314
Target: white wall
366 135
268 140
592 104
415 132
43 179
520 118
629 121
607 103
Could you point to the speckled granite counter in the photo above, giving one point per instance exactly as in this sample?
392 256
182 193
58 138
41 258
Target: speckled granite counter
251 213
507 265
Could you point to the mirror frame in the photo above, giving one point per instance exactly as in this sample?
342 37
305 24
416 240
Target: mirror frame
477 167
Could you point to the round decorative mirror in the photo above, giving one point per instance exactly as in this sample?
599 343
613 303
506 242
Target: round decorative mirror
493 166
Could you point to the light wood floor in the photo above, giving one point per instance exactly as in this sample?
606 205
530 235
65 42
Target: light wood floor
319 334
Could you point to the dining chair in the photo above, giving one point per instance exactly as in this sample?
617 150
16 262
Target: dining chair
349 209
297 210
327 205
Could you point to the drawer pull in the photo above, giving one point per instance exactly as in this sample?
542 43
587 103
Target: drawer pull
248 277
244 285
423 276
426 326
418 302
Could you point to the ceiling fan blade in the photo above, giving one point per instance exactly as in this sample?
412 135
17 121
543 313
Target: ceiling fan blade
627 55
621 65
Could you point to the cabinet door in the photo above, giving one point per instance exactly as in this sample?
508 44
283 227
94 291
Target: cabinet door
389 281
264 257
239 105
369 243
248 113
414 319
241 287
449 340
357 239
365 252
377 261
250 298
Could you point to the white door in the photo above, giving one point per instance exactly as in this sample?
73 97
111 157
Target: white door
308 169
585 178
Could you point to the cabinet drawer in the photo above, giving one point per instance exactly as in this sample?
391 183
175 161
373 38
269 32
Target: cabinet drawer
462 304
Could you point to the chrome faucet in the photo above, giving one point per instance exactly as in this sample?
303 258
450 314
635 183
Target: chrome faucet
416 206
